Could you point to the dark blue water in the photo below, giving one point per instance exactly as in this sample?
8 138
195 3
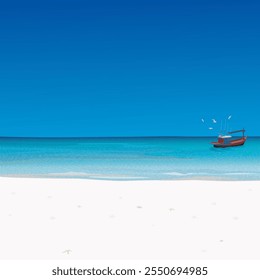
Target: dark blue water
129 159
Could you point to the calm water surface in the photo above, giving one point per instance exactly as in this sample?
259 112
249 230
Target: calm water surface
129 159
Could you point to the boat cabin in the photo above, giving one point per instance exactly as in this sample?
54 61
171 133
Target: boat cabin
224 139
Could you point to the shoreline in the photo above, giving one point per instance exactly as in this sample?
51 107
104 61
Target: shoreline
42 218
119 178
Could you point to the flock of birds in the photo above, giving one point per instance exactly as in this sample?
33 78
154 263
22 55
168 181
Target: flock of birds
214 121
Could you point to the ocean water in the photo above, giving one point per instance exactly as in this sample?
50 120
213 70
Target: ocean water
170 158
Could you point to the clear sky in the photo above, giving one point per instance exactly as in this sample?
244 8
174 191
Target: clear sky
128 68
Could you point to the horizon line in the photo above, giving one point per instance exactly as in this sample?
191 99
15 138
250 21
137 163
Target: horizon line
106 137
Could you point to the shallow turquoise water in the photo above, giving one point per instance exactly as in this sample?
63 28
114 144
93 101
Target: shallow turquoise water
129 158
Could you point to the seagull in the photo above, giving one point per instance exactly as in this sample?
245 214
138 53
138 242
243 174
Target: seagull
66 252
229 117
210 128
214 121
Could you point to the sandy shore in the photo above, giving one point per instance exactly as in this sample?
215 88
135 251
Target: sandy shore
85 219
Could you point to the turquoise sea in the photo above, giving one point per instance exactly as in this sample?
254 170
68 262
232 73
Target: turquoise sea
149 158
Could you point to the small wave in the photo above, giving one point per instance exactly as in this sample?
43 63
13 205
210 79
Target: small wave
212 174
118 177
242 173
71 174
94 175
180 174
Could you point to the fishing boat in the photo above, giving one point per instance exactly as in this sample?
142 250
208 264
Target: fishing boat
225 141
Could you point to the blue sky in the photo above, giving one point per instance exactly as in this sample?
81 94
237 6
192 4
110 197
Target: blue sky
128 68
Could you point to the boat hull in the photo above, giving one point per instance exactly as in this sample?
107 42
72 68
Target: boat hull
234 143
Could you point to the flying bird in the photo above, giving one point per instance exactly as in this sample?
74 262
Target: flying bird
214 121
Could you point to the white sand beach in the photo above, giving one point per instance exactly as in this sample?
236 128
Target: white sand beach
91 219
